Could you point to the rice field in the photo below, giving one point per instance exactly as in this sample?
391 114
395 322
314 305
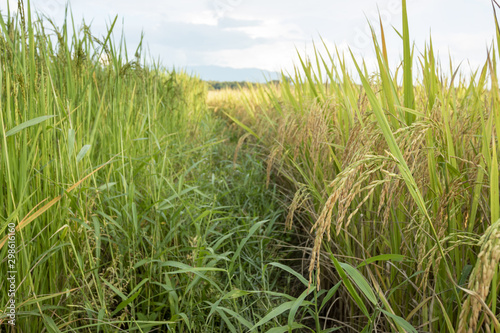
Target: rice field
121 209
394 177
133 199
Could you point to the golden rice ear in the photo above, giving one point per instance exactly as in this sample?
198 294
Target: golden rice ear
238 147
301 195
270 163
480 281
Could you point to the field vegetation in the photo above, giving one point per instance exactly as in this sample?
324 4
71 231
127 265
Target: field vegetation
129 211
216 85
336 200
394 175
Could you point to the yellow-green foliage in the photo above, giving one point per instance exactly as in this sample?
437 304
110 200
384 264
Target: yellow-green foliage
130 213
78 140
397 179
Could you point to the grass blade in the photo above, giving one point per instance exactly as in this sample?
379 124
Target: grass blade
26 124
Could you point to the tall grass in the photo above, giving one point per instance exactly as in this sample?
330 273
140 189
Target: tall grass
395 176
130 213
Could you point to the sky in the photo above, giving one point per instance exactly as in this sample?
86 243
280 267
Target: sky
267 34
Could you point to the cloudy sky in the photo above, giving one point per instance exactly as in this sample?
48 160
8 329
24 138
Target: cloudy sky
265 34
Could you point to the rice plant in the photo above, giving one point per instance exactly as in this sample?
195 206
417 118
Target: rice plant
129 211
394 175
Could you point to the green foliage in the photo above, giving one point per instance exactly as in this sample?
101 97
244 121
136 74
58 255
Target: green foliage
130 213
395 180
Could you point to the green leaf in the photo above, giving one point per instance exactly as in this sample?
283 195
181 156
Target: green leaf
116 290
106 186
71 141
382 257
40 300
235 315
236 255
126 302
233 294
51 325
198 271
283 329
291 271
27 124
226 320
274 313
360 281
494 192
297 304
409 98
245 127
189 269
330 294
400 321
350 288
82 153
465 275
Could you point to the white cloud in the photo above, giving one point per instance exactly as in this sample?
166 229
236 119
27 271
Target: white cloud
274 29
264 34
271 57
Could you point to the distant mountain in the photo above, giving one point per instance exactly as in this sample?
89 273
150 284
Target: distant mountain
217 73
